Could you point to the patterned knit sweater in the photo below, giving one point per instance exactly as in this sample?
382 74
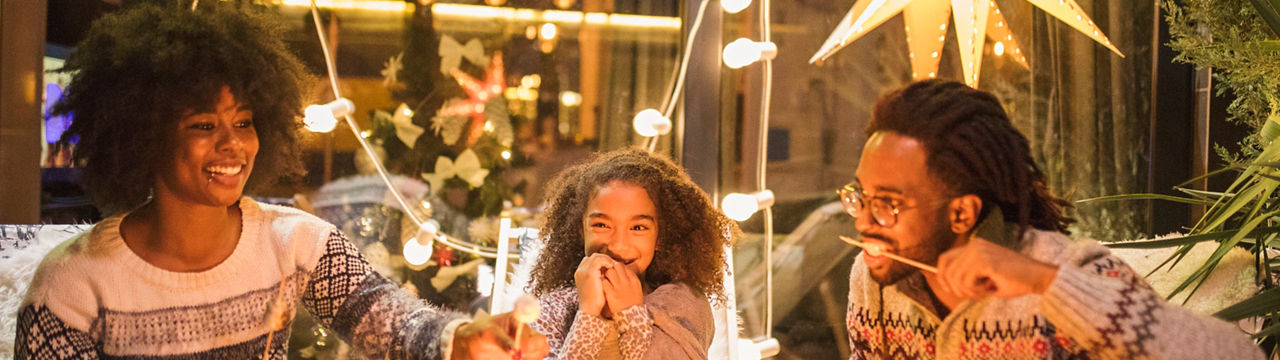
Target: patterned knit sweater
1096 308
94 298
673 323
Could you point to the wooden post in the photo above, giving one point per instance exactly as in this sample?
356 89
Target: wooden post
22 36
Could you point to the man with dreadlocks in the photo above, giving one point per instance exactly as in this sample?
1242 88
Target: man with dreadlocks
941 157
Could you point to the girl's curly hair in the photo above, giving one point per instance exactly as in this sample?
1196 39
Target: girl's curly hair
692 232
137 72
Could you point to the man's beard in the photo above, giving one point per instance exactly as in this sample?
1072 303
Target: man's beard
936 241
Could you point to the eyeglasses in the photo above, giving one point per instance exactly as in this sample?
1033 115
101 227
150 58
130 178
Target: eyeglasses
883 210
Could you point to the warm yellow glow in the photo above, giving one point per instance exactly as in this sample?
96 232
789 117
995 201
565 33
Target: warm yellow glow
548 31
531 81
506 154
377 5
998 49
558 17
597 18
570 98
562 16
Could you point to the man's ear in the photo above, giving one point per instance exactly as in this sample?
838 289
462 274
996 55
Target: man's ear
963 213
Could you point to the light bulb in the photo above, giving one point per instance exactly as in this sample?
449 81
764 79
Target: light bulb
650 122
506 154
570 98
323 118
743 52
740 207
998 49
319 119
548 31
734 6
747 350
417 251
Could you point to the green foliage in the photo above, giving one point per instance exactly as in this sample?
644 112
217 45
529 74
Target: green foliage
1236 39
1230 37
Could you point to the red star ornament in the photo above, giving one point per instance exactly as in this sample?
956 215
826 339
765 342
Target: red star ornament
478 93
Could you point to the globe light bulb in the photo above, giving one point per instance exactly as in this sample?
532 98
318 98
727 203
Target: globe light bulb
324 118
734 6
740 207
548 31
417 251
743 52
650 122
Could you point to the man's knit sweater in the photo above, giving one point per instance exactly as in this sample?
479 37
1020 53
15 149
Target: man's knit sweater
94 298
1096 308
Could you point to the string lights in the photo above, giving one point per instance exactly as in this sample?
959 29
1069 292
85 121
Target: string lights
740 207
743 52
323 118
650 122
677 84
734 6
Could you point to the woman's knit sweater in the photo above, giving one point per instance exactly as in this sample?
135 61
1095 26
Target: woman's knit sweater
94 298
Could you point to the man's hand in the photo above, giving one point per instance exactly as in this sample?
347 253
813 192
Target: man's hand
588 279
621 288
492 338
981 268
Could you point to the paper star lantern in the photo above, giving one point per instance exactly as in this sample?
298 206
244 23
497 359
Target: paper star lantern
975 21
478 95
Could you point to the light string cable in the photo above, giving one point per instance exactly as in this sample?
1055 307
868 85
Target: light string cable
677 84
456 244
765 98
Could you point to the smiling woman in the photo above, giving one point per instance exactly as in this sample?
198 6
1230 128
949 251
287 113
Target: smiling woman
178 111
125 96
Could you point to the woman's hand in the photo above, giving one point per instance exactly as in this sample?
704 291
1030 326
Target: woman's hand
494 338
621 288
588 279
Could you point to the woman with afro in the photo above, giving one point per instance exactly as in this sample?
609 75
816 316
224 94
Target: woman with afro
176 112
634 255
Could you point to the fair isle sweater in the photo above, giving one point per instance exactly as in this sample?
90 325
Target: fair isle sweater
673 323
93 298
1096 307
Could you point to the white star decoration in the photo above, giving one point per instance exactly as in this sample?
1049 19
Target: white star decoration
926 26
391 69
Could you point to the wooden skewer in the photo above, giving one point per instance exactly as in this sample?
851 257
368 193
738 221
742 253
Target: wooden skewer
890 255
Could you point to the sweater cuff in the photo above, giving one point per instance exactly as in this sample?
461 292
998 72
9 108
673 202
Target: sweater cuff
632 318
446 338
1076 297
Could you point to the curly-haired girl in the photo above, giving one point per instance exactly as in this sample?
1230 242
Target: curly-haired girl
634 251
176 111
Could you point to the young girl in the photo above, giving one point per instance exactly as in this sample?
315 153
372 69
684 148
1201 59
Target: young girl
634 251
